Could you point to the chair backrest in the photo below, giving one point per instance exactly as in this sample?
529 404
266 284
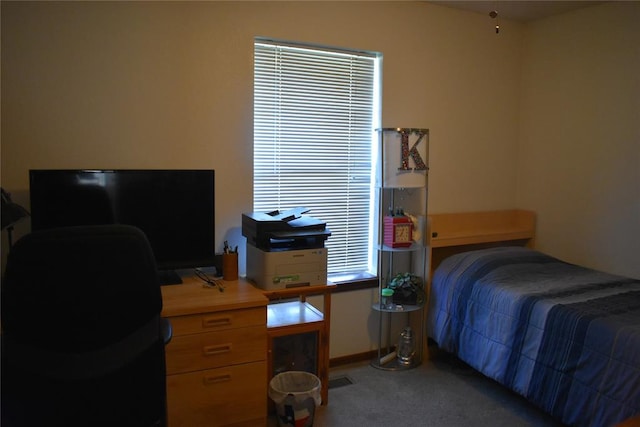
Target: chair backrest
80 321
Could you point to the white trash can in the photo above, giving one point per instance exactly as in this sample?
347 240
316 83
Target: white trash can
296 395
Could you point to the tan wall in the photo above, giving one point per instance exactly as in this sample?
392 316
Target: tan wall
169 85
579 151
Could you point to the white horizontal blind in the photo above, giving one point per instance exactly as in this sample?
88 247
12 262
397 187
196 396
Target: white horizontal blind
313 130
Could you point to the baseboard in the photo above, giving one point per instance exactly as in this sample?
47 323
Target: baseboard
352 358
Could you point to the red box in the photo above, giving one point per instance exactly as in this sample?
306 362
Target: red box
398 231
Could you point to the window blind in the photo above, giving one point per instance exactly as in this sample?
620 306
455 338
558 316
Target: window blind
313 132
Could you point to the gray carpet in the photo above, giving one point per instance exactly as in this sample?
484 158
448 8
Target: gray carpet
441 392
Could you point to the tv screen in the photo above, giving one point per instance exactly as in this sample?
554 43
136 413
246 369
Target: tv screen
174 208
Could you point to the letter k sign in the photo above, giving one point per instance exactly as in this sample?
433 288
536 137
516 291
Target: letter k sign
413 152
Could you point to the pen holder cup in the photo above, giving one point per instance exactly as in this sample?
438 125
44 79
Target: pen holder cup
230 266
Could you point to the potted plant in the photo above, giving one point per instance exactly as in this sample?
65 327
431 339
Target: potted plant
407 289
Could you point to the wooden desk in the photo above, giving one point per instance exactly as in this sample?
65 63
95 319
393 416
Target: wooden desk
299 317
216 360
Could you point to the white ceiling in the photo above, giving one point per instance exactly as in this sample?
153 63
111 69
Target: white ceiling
518 10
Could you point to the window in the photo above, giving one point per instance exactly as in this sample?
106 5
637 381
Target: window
315 111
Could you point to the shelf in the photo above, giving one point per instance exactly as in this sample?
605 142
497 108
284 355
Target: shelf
394 365
401 182
400 187
407 308
414 247
481 227
291 313
288 319
485 236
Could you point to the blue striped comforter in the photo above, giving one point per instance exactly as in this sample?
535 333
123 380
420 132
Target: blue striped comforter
565 337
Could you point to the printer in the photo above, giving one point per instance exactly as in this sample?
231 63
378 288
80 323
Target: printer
285 249
277 231
286 269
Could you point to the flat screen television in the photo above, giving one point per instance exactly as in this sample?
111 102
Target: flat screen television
174 208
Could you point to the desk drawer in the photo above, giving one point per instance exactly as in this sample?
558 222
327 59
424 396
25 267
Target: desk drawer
219 321
214 349
216 397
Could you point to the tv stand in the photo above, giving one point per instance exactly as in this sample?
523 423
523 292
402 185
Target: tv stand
169 277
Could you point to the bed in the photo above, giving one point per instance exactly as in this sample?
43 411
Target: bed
565 337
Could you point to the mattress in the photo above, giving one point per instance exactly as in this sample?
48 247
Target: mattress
565 337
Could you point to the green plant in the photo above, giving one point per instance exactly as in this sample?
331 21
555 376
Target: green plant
407 289
402 280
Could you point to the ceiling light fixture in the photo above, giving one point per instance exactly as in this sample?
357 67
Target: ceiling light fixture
494 15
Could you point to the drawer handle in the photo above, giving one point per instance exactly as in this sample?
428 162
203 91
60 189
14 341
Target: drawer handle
216 379
214 322
213 350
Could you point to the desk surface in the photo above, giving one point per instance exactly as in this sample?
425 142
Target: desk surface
191 297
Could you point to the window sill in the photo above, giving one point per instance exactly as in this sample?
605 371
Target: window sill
353 282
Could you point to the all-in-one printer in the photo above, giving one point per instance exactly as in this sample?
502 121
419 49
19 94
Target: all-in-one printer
285 249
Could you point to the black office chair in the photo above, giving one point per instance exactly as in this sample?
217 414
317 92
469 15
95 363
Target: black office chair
82 337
